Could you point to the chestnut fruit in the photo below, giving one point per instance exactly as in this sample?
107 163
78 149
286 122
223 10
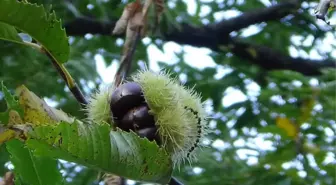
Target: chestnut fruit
131 112
126 97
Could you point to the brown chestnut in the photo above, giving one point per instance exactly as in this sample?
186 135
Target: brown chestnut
136 118
150 133
131 112
126 97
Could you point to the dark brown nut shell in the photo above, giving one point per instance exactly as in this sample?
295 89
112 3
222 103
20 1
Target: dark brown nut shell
130 111
137 118
150 133
126 97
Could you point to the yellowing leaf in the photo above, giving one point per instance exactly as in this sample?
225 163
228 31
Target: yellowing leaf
12 106
6 135
287 125
36 111
14 118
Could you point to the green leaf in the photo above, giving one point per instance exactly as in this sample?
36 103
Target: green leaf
18 181
31 169
12 104
9 33
4 158
122 153
39 24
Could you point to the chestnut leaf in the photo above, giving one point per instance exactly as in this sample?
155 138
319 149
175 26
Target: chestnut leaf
95 145
41 25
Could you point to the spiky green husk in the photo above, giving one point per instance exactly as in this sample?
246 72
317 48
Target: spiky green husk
178 111
98 109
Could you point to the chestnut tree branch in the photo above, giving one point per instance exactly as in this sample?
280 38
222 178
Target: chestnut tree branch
270 59
215 36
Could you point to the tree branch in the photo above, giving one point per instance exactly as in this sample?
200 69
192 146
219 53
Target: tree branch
260 15
84 25
215 36
270 59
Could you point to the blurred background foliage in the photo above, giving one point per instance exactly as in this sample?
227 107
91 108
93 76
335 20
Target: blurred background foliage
269 126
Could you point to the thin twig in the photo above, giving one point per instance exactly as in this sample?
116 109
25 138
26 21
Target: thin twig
126 63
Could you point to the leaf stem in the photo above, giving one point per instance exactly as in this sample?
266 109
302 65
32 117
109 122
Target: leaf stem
70 82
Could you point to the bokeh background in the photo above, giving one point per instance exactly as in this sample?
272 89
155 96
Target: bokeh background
265 69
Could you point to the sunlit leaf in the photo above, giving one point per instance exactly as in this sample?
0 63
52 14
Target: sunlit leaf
288 126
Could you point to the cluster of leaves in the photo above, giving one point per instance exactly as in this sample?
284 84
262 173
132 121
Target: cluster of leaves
36 134
292 115
94 145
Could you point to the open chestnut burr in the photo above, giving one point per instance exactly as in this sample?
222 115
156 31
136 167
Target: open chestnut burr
131 112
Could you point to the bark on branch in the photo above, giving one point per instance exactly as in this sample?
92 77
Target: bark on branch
216 35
